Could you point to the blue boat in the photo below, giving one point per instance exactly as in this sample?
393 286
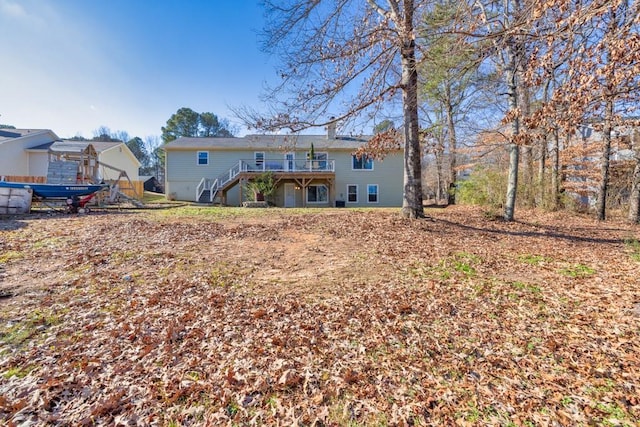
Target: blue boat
56 191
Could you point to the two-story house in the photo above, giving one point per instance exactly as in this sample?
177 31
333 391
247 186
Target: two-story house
309 170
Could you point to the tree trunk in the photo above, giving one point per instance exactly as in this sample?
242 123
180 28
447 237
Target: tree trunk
541 169
526 150
526 173
609 98
439 178
514 150
412 198
453 174
555 171
601 206
634 197
512 182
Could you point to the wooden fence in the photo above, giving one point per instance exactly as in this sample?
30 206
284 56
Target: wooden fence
33 179
125 186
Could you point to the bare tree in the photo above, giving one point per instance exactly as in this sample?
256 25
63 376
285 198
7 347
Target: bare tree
507 25
599 79
615 67
348 57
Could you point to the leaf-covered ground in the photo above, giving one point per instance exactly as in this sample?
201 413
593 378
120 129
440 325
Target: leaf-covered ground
329 317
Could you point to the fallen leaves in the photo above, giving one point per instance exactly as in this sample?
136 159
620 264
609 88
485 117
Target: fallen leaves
334 318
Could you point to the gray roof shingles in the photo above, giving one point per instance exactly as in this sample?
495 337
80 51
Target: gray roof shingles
268 142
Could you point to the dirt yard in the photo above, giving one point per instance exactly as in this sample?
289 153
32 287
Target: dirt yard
208 316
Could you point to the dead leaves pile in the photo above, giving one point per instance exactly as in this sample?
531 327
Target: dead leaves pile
459 320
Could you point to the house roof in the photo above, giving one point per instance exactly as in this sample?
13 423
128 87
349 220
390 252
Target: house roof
67 145
70 145
268 142
7 134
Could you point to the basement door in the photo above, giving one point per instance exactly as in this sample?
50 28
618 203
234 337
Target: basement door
289 196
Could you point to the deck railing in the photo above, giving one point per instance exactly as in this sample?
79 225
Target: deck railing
200 188
214 190
288 165
279 166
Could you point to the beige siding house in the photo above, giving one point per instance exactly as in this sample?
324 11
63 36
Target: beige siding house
27 153
119 157
210 170
16 155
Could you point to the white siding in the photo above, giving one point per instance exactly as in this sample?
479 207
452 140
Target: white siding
14 159
38 163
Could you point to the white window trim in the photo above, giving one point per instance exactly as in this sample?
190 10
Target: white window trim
373 165
198 158
316 202
255 158
288 162
357 193
377 193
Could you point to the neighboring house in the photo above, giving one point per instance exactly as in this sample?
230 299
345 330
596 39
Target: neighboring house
113 157
27 153
217 169
15 156
582 158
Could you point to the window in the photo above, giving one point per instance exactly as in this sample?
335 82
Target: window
317 194
203 158
352 193
362 163
320 160
258 156
372 193
289 161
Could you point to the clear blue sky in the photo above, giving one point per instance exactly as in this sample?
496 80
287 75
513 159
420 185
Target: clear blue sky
75 65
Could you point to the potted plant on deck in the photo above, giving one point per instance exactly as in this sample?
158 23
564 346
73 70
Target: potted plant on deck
311 156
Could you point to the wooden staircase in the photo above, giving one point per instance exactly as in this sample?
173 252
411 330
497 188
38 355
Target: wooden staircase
213 187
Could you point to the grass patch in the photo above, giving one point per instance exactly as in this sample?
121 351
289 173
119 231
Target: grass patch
578 270
220 213
150 198
18 334
527 287
533 259
124 256
48 242
18 371
633 246
228 212
462 263
221 275
10 256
